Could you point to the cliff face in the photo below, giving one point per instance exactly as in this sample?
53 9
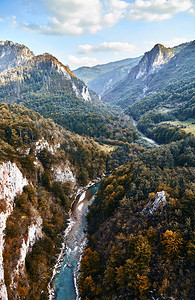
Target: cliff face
156 70
21 72
40 172
13 55
11 183
152 61
34 233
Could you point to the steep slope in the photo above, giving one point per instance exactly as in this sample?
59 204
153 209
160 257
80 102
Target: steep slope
45 85
41 168
152 61
168 115
158 68
176 100
23 73
101 77
141 237
12 55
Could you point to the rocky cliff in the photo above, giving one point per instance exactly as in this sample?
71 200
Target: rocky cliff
21 73
40 172
157 69
11 183
13 55
152 61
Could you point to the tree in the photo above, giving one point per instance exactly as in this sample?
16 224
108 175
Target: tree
90 263
173 243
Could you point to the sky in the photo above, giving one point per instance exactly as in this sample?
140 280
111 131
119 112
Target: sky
91 32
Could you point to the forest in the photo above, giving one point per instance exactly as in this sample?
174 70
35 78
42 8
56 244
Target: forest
100 122
140 227
45 196
138 249
177 99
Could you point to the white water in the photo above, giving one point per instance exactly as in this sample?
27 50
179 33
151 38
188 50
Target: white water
63 285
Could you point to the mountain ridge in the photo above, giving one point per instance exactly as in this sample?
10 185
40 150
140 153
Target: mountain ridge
101 77
152 60
13 49
44 84
18 64
157 67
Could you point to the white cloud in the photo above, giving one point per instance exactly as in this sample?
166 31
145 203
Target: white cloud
116 10
77 17
157 10
1 20
116 47
76 62
192 11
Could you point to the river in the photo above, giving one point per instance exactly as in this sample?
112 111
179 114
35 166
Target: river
74 242
64 281
143 135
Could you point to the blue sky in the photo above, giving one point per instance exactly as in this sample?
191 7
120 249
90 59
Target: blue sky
90 32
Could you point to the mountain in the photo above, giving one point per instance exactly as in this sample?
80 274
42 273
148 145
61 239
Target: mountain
152 61
157 68
140 226
44 84
12 55
23 73
102 77
167 115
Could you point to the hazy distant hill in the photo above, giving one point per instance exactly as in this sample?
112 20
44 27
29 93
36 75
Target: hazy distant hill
102 77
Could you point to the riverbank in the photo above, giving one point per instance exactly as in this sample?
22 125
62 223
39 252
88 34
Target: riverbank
71 248
143 135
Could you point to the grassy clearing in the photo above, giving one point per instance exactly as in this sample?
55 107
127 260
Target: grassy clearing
164 110
105 147
187 125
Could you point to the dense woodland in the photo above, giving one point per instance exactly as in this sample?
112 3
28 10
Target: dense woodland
136 254
133 252
20 129
177 99
138 248
100 122
41 87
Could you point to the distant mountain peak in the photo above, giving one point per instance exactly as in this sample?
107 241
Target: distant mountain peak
54 63
101 78
45 73
3 43
158 68
159 46
153 60
12 55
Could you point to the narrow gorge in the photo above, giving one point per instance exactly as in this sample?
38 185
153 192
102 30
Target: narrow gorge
65 275
67 230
